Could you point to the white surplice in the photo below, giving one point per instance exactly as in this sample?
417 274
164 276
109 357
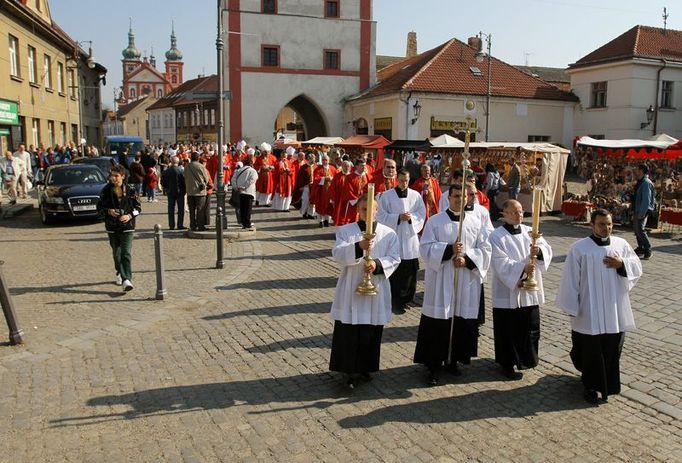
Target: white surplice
597 297
439 279
349 307
390 208
510 254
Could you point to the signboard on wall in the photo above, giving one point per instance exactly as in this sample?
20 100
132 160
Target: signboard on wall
9 113
383 124
452 125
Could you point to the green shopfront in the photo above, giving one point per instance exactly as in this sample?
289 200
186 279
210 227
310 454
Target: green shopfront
10 126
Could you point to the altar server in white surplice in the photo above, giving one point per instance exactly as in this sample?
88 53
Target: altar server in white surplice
402 210
359 320
516 311
598 275
442 250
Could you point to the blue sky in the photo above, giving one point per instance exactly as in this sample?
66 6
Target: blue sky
542 32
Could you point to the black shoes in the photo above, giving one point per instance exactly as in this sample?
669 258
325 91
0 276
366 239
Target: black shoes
432 380
590 396
510 374
453 369
326 223
354 379
646 255
321 225
398 310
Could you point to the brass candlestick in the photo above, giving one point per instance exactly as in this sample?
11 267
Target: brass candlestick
366 287
530 283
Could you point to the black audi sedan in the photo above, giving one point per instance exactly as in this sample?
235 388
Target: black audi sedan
70 191
103 162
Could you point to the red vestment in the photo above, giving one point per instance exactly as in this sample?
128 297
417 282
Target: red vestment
337 185
284 179
319 196
355 186
483 199
382 183
431 193
265 166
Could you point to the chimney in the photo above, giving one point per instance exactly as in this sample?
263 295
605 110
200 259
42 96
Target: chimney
411 45
475 43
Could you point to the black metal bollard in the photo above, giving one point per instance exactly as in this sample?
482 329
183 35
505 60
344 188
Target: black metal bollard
158 251
16 334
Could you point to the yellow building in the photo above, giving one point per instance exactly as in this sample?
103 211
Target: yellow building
48 83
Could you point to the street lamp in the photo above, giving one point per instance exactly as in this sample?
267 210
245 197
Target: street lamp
649 117
74 62
480 56
220 181
417 111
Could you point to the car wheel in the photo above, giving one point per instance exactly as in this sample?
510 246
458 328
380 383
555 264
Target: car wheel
44 218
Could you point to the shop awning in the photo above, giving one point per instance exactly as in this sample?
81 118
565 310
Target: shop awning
446 141
284 143
329 141
654 142
365 141
409 145
661 146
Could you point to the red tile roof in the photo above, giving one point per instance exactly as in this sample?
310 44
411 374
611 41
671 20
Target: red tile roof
125 109
179 95
638 42
447 69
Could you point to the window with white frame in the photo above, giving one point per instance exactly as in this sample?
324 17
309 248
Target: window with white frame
32 70
62 133
71 80
598 95
14 56
60 77
212 116
667 94
35 131
50 133
47 71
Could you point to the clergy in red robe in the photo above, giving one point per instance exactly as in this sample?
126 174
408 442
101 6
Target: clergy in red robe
386 179
211 164
284 184
430 190
265 166
337 186
355 186
320 196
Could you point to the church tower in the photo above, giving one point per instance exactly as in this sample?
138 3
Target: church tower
174 63
131 61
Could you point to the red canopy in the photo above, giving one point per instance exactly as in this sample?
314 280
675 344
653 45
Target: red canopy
368 142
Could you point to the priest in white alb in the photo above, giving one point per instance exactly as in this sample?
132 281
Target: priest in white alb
516 311
599 273
359 319
445 306
402 210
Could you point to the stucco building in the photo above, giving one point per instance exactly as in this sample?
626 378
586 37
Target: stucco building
307 55
49 86
630 87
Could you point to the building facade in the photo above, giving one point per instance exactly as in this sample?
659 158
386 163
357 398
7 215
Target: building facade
424 96
307 55
140 76
49 86
630 87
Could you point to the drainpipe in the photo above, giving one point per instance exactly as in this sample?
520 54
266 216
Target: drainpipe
656 99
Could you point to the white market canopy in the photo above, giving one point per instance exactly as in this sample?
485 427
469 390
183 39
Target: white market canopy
660 141
323 141
535 147
446 141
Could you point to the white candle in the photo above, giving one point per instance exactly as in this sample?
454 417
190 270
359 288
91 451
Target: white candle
370 209
537 199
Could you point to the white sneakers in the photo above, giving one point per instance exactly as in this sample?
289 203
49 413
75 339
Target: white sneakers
119 279
127 285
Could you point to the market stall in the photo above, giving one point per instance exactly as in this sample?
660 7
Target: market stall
358 144
400 150
322 141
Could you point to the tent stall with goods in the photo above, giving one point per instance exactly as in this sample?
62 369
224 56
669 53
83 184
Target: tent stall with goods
322 141
400 148
658 147
554 160
358 144
284 143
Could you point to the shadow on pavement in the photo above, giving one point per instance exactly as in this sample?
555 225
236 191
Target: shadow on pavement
551 393
297 283
276 311
322 389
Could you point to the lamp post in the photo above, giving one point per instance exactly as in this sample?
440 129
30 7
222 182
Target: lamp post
220 195
649 117
480 56
74 62
417 111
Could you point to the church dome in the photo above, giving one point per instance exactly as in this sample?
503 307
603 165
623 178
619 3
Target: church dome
174 54
131 52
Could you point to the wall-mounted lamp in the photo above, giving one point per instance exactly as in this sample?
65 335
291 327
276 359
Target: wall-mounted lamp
649 117
417 111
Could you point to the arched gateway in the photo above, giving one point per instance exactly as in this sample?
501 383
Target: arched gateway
301 119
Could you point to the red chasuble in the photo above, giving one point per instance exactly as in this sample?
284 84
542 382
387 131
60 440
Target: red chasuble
430 191
319 196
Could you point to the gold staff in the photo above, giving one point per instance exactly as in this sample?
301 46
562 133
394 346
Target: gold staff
465 166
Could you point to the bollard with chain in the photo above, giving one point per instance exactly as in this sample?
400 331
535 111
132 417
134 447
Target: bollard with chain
16 334
158 250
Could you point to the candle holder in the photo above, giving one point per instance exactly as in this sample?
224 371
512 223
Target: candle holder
366 287
530 283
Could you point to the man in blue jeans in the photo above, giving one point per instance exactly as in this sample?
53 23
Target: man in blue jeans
643 205
173 184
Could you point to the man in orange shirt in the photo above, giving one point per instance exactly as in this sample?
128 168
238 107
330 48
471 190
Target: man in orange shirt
430 190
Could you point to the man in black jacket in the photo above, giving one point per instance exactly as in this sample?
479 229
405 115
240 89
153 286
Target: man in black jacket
173 184
120 205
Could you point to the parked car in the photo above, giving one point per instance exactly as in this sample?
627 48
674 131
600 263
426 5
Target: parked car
103 162
70 191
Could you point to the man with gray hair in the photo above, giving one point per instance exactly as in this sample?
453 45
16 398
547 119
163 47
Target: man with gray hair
173 184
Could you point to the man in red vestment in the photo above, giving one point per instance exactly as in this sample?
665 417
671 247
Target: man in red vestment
284 183
429 188
265 165
355 186
322 179
386 179
337 186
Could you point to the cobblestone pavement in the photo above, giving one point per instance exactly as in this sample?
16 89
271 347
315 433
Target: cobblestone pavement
233 365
